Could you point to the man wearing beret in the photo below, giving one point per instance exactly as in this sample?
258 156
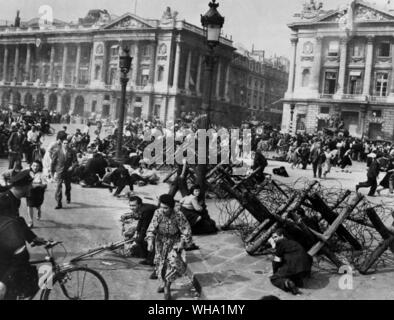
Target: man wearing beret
15 270
62 162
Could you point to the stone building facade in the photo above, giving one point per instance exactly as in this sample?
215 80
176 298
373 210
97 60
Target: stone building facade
342 68
74 67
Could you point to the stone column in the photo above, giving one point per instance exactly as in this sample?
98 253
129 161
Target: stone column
105 64
342 66
153 65
16 64
188 65
136 63
368 66
317 52
27 65
64 65
77 63
51 64
5 62
363 113
199 67
217 92
293 62
227 84
176 66
59 103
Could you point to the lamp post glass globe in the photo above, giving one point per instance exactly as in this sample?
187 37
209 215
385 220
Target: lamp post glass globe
212 23
125 61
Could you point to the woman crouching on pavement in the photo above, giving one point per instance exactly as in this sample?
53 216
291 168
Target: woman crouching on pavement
36 197
171 233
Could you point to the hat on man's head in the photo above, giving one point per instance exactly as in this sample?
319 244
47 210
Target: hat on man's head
21 179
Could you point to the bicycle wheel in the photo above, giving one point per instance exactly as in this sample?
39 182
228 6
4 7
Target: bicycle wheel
77 283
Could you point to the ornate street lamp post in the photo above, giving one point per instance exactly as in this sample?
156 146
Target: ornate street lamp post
124 65
212 23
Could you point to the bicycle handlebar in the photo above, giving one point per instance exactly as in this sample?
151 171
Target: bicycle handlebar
52 244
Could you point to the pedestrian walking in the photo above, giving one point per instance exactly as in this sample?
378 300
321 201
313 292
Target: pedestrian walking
36 196
372 175
171 233
63 160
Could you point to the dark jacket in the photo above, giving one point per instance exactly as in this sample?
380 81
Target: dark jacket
374 169
317 156
147 211
294 258
16 142
62 162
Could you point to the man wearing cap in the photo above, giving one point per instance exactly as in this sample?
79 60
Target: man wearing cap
63 160
15 270
372 175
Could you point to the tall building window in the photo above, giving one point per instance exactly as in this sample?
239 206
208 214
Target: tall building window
144 77
330 82
97 72
384 49
358 49
381 84
355 82
157 110
333 48
160 73
94 104
305 77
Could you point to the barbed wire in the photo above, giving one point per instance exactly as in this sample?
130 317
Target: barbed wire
357 223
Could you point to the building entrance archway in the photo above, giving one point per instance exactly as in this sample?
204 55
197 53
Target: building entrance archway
28 101
52 103
79 106
66 103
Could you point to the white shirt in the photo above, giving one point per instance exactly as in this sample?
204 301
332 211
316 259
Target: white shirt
33 136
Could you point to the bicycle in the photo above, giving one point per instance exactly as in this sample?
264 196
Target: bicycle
59 280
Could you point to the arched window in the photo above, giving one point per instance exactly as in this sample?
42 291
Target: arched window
305 77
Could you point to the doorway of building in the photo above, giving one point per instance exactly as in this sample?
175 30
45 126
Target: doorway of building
375 131
351 121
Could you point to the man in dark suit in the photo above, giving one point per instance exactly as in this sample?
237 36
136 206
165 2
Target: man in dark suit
317 158
63 160
291 264
137 222
15 145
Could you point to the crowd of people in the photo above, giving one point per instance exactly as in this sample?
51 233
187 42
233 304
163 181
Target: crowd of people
162 232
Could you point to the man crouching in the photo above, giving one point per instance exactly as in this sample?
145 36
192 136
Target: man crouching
291 264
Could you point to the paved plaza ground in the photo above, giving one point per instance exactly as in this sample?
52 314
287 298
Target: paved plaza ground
221 268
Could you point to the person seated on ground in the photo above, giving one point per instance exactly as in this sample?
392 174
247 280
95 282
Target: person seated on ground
196 213
134 226
148 175
291 264
134 159
259 161
94 171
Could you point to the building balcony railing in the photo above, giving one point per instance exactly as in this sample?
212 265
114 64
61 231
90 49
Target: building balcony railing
377 99
326 96
358 97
